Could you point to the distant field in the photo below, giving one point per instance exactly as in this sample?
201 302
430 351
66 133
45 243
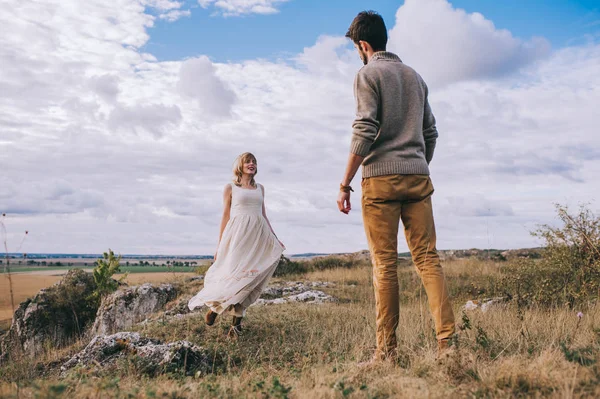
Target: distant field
124 269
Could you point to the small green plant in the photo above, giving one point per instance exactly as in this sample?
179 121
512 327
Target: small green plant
278 390
105 268
344 390
482 338
466 322
583 356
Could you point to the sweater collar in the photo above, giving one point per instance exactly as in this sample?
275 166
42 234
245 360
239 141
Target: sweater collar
385 55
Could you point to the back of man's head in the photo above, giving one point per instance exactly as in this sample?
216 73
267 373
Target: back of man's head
368 26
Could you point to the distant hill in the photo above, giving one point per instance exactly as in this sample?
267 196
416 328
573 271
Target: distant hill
481 254
494 254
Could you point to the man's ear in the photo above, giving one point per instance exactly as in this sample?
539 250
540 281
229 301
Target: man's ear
363 45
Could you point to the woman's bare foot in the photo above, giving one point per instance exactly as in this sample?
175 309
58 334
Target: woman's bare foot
236 327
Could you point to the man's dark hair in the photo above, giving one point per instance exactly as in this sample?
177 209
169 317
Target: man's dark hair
368 26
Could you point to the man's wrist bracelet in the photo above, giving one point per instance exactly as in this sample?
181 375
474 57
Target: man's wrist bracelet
345 189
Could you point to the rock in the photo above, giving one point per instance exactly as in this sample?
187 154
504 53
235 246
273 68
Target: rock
54 317
180 307
296 291
293 288
315 297
195 278
152 356
470 305
485 304
491 303
127 307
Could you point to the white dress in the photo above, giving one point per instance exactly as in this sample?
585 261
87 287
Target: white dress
246 258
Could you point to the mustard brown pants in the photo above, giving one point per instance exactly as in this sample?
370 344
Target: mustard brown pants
387 200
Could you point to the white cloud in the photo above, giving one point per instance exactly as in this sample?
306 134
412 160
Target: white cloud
241 7
155 119
449 45
330 56
163 5
174 15
106 87
198 81
120 150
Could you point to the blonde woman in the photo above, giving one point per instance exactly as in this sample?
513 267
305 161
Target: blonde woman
248 250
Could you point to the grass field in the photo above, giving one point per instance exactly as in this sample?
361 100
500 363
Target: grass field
309 351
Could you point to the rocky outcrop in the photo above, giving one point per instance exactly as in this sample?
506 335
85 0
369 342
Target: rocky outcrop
124 308
491 254
291 292
314 297
54 317
151 356
180 307
293 288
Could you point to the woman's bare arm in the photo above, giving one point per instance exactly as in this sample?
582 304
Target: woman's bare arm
226 213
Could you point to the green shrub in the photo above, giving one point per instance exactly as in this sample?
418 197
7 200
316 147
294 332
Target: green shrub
568 272
103 272
288 267
333 263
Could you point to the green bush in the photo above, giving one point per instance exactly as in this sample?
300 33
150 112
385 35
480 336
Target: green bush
568 272
289 267
103 271
333 263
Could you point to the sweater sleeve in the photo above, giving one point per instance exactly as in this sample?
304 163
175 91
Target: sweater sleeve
366 126
430 133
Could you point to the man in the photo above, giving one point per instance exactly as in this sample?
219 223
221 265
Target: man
394 136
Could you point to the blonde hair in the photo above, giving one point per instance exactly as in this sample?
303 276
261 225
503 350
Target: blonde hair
238 168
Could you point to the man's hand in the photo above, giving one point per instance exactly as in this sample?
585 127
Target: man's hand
354 162
344 202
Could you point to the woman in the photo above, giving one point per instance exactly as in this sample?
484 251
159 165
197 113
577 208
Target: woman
248 250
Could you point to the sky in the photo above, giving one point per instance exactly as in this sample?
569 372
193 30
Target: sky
120 120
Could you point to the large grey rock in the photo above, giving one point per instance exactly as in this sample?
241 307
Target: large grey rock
314 297
296 291
293 288
54 317
153 356
124 308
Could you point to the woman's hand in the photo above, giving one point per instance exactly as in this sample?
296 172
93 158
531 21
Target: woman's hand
215 256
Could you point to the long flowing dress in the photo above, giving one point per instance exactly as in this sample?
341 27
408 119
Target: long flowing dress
247 257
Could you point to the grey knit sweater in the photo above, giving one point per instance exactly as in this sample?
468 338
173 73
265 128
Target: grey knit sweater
394 127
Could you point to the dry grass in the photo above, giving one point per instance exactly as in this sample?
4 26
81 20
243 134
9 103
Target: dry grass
300 351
